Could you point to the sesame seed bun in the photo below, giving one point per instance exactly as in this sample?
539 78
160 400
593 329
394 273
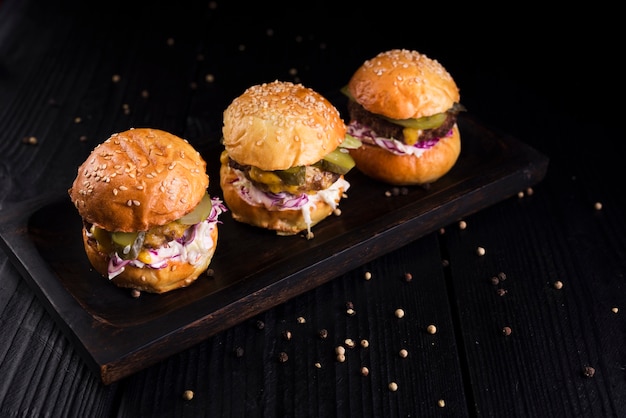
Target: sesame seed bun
403 84
394 93
279 125
138 179
145 180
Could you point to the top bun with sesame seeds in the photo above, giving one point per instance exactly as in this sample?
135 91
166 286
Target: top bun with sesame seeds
138 179
403 106
148 220
284 160
281 125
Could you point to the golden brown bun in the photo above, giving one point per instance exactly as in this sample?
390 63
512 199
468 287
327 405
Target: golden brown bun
403 84
284 222
174 276
405 170
138 179
279 125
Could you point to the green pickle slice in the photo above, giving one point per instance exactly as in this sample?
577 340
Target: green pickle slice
339 161
425 122
200 212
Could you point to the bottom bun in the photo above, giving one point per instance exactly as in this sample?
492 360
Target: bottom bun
175 275
284 222
406 170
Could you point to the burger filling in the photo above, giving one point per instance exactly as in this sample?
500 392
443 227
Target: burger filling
410 136
180 241
298 188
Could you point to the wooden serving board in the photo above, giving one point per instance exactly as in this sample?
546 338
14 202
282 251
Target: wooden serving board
254 269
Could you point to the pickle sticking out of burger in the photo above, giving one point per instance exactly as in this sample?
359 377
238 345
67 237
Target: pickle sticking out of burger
284 158
149 222
403 106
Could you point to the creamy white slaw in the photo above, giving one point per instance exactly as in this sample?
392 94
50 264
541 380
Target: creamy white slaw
286 201
190 248
368 136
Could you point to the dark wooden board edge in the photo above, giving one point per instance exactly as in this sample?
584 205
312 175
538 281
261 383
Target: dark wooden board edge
114 366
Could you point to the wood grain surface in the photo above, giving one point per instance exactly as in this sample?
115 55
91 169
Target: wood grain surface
509 341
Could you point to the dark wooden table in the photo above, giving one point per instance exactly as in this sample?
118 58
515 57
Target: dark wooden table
534 327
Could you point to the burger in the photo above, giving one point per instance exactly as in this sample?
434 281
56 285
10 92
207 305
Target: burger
285 156
148 220
403 107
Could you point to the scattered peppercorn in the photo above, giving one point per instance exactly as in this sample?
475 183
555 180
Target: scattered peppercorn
480 251
403 353
368 275
238 351
399 313
441 403
301 320
495 280
462 225
260 324
135 293
588 371
408 277
283 357
393 386
286 335
365 343
506 331
323 333
501 292
365 371
431 329
188 395
558 284
598 206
